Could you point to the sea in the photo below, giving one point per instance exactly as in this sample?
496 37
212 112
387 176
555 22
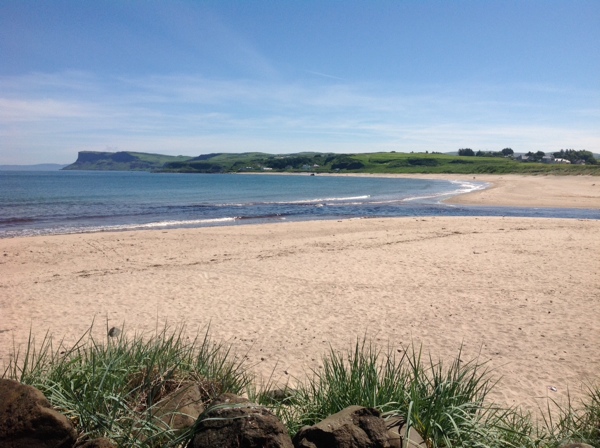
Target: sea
63 202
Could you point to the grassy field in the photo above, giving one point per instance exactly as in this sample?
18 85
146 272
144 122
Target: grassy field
401 163
440 163
112 388
391 162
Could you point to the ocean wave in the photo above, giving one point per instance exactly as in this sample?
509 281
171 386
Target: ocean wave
64 230
319 200
261 217
200 206
332 200
185 222
16 221
464 187
468 187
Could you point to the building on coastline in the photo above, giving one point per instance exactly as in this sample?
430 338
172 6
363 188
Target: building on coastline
551 160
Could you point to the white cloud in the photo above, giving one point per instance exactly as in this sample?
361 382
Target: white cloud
62 113
39 110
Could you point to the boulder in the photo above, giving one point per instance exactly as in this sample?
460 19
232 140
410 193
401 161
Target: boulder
181 409
353 427
28 421
233 422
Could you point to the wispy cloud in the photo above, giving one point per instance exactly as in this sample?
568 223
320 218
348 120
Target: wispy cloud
324 75
66 112
36 110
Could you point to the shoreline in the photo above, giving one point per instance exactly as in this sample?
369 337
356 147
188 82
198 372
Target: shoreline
520 293
517 190
561 193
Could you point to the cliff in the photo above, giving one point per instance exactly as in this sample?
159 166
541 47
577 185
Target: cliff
122 161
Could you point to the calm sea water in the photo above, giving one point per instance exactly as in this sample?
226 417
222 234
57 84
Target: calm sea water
35 203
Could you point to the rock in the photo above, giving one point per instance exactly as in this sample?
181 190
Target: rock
394 424
397 436
283 396
394 439
353 427
28 421
181 409
228 398
98 443
234 422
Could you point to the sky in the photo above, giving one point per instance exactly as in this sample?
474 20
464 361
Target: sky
283 76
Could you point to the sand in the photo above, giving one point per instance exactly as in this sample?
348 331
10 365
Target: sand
536 191
522 294
512 190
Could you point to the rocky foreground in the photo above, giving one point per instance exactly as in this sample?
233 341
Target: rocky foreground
27 420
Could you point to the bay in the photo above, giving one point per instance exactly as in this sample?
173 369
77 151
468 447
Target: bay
58 202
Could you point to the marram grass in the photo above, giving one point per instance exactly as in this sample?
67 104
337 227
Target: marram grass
447 404
110 388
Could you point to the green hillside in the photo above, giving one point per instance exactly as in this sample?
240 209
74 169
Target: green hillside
418 163
370 163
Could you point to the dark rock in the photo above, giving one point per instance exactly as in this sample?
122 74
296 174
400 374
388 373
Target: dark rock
28 421
98 443
234 422
181 409
353 427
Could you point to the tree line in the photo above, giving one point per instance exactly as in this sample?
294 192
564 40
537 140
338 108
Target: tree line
572 155
506 152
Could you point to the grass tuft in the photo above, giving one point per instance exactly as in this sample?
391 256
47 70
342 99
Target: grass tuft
446 405
574 423
111 388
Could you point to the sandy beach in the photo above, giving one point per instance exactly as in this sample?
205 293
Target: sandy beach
513 190
523 294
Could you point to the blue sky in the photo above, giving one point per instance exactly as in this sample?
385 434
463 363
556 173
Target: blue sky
193 77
